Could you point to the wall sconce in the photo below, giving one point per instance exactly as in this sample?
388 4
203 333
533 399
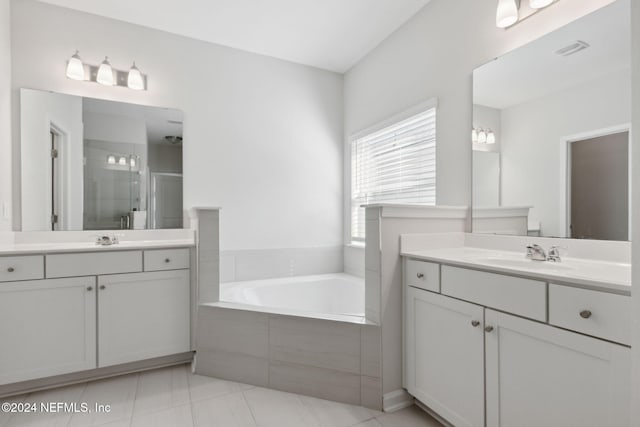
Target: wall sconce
510 12
483 136
105 74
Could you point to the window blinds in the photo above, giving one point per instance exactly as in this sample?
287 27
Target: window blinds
396 164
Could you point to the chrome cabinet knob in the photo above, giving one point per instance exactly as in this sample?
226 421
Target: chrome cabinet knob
167 260
103 287
89 288
11 269
488 328
585 314
420 275
475 323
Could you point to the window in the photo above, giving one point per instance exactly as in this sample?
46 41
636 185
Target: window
394 163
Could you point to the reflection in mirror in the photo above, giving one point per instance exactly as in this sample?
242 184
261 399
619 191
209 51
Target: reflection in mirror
559 109
90 164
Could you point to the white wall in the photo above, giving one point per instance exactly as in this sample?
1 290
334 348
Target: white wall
40 111
433 55
533 168
5 116
262 136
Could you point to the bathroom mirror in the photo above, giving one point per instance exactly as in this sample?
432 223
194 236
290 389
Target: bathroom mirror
550 138
92 164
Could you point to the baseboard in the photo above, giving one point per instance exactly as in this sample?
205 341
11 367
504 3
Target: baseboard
396 400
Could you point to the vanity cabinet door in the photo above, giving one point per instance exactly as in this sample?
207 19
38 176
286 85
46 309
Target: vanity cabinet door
47 327
538 375
445 358
142 316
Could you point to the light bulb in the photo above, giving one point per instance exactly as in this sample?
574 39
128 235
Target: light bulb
482 137
134 79
111 159
105 73
474 135
491 137
539 4
122 161
132 162
507 13
75 67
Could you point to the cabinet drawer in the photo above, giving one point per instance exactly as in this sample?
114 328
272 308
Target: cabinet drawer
524 297
422 274
93 264
594 313
166 259
21 268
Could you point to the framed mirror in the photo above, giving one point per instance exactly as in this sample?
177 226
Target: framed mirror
550 138
92 164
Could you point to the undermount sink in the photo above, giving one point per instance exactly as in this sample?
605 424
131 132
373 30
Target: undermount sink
524 263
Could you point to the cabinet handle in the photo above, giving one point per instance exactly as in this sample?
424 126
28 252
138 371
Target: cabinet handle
585 314
475 323
11 269
103 287
420 275
89 288
488 329
167 260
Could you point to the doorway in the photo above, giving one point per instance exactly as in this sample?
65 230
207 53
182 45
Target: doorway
598 187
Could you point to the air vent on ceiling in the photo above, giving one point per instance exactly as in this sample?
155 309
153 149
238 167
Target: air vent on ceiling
572 48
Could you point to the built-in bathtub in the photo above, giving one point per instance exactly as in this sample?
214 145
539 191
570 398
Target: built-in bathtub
305 334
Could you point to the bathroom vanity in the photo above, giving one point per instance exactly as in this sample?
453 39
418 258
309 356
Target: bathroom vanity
495 339
78 307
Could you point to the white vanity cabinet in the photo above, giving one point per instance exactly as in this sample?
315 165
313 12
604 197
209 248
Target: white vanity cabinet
92 310
539 375
47 327
142 315
483 353
445 357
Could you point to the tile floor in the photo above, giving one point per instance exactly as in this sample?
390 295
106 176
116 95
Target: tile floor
173 397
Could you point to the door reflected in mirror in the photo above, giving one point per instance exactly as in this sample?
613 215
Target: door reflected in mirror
90 164
559 110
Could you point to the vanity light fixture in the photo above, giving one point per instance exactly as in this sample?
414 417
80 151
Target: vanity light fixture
491 137
122 161
474 135
134 78
75 67
510 12
105 73
111 159
132 162
482 137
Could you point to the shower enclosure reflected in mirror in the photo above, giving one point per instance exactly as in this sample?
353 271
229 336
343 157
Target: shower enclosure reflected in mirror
559 111
91 164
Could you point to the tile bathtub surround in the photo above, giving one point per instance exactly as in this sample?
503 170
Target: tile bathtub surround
321 358
174 397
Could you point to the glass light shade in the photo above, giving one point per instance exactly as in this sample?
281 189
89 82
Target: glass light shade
134 78
474 135
132 162
105 73
111 159
122 161
75 67
482 137
491 137
539 4
507 13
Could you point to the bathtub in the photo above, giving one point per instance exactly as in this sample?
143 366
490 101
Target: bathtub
331 296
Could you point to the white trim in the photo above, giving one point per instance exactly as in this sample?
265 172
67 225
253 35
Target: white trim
396 400
565 191
390 210
501 212
433 414
416 109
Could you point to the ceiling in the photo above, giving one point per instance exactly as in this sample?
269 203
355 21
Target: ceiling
328 34
535 71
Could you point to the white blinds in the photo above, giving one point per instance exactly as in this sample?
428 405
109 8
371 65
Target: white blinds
396 164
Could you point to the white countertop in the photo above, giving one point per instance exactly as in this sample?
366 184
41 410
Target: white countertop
593 274
38 248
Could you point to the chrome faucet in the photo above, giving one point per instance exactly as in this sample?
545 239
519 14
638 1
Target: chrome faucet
536 253
554 254
106 240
